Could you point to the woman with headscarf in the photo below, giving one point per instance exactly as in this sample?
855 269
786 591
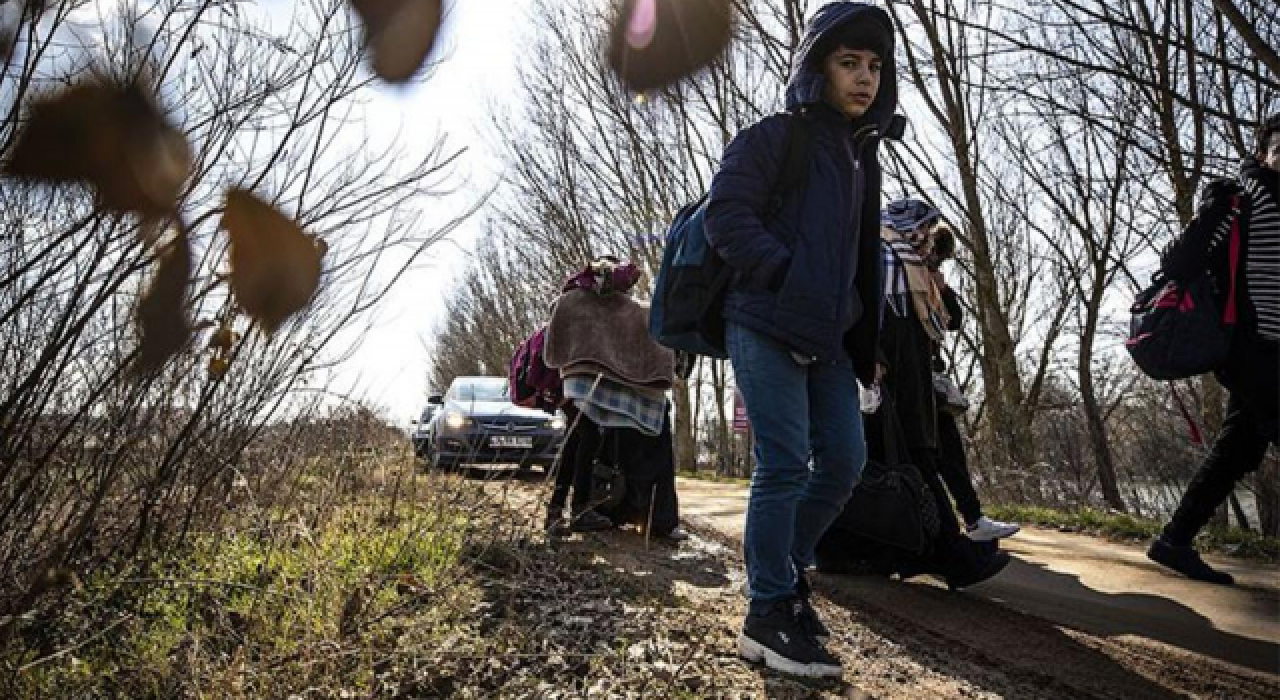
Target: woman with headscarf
915 316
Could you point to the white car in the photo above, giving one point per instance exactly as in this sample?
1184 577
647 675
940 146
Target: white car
478 424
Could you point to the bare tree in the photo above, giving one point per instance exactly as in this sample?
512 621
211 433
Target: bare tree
97 460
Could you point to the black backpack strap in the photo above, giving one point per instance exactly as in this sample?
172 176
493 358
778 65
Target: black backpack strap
795 160
795 164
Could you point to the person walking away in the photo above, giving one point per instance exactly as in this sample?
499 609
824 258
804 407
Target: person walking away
1250 373
953 463
801 314
916 317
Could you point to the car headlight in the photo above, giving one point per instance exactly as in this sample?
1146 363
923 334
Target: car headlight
557 424
456 421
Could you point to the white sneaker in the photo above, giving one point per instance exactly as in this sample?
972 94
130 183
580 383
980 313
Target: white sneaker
987 529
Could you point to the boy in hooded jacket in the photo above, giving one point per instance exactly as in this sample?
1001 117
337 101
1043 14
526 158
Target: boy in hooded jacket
802 314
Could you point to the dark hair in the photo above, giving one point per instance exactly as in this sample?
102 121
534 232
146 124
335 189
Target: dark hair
1267 130
856 35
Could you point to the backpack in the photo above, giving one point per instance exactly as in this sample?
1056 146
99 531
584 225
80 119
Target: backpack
892 504
686 312
1179 331
530 382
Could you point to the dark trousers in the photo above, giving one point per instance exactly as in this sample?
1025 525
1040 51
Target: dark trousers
1250 426
953 467
573 469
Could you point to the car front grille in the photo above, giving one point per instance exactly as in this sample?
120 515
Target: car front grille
506 426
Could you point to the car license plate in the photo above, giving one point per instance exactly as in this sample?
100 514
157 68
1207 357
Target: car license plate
514 442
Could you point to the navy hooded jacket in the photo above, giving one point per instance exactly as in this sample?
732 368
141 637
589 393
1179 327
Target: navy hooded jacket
809 274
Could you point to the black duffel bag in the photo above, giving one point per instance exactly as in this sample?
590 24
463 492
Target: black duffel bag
891 504
1179 331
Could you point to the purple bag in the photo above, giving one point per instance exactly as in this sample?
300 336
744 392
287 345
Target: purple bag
530 382
605 276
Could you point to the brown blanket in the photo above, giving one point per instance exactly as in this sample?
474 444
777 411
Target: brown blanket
611 332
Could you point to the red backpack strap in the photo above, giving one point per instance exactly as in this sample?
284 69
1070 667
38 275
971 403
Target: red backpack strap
1233 260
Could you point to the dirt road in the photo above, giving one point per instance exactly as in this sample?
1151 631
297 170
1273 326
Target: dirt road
1078 584
1073 617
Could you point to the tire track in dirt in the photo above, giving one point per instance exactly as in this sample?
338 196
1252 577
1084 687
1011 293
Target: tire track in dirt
908 640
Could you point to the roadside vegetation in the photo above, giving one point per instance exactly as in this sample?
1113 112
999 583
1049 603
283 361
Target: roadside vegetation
1232 540
374 579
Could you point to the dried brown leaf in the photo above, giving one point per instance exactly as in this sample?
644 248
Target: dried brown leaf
112 138
654 43
275 267
399 34
163 325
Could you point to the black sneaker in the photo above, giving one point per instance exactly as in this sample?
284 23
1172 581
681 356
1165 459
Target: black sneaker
1186 561
780 642
590 521
808 616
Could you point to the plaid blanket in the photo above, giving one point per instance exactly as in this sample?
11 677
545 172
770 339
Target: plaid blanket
612 405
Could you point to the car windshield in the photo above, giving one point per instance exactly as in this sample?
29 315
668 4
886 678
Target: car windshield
483 390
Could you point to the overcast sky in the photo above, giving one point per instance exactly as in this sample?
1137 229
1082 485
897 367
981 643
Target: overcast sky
477 74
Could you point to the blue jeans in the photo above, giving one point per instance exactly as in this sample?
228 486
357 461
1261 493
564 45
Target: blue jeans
797 413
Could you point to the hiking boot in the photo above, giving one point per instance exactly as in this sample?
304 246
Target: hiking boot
808 617
988 567
1186 561
590 521
986 529
778 640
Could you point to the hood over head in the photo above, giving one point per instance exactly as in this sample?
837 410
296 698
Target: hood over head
807 83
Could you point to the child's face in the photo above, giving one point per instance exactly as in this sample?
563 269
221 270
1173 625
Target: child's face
853 79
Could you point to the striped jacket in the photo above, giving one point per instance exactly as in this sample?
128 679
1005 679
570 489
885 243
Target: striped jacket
1203 245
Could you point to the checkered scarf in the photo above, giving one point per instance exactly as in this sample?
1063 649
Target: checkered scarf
908 281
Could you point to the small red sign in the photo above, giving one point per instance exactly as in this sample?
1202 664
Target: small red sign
740 422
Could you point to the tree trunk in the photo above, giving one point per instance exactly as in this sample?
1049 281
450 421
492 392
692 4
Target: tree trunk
1102 456
1002 384
1268 490
683 429
695 382
724 441
1005 398
1241 519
